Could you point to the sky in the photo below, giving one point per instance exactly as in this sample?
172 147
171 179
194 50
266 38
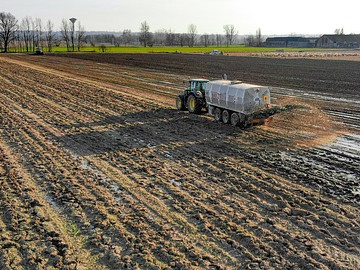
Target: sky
275 17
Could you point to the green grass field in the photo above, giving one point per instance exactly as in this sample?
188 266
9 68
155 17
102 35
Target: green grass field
168 49
232 49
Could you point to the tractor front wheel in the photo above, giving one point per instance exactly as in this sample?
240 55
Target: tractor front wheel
180 104
194 105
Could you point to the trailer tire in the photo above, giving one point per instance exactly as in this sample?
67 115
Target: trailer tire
234 119
217 115
225 116
194 104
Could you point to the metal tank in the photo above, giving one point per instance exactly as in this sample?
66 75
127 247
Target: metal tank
236 96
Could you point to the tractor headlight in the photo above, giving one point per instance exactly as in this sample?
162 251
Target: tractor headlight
198 93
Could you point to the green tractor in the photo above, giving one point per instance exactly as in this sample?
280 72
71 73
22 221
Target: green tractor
193 97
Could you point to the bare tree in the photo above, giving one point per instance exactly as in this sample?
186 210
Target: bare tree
219 39
258 37
230 34
160 37
192 30
250 40
25 28
38 32
183 39
170 38
145 35
65 33
49 35
33 35
205 40
80 34
8 28
339 31
126 36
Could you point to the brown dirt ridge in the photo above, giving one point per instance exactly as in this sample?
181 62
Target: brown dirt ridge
99 171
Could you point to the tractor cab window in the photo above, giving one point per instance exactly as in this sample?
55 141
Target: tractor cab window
203 84
195 85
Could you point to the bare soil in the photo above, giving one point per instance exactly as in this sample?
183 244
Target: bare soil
98 171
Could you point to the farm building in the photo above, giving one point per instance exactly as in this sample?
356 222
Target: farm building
292 42
339 41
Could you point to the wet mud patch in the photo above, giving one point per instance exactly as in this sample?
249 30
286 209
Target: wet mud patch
306 123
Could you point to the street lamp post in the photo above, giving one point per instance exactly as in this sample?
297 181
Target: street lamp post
73 20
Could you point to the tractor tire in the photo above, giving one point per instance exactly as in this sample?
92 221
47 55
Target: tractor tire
225 116
194 105
180 104
234 119
217 115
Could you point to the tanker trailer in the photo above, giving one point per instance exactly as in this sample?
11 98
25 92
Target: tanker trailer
235 102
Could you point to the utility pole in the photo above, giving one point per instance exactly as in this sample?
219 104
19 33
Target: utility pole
73 20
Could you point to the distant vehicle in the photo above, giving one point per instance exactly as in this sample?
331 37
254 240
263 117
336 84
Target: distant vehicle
216 52
39 51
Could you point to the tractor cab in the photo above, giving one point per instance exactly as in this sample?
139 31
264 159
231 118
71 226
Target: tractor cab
193 97
197 85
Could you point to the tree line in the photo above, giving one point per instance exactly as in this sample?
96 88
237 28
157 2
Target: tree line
30 34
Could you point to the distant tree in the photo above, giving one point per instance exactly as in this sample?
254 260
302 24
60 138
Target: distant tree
250 41
204 40
145 35
170 38
219 39
258 38
212 40
230 34
38 32
49 35
339 31
80 34
33 35
8 29
126 37
183 39
160 37
192 31
117 41
103 48
25 29
65 33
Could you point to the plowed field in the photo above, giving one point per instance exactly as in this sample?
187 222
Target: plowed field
98 171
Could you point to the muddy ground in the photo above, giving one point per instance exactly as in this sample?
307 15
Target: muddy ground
98 171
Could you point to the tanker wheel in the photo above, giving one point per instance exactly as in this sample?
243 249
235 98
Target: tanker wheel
234 119
225 116
180 104
194 105
217 114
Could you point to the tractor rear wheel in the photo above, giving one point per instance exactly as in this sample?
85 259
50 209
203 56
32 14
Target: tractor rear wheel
194 105
225 116
180 104
217 114
234 119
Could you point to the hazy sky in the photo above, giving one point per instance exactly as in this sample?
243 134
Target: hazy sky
273 17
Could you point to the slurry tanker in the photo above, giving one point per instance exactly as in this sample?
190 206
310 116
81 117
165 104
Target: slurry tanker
230 102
